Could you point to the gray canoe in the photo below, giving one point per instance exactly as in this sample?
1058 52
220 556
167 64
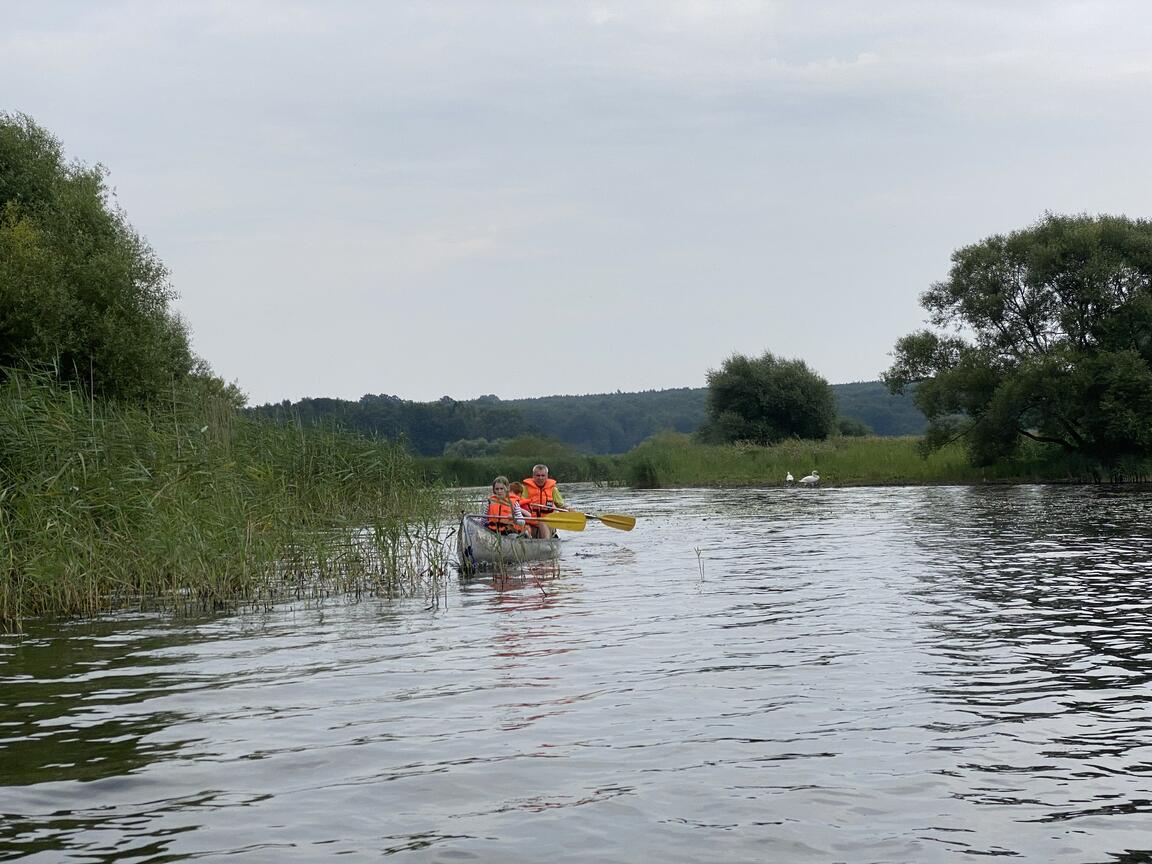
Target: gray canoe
477 548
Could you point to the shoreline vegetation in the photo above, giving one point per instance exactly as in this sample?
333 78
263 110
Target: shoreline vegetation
671 460
192 506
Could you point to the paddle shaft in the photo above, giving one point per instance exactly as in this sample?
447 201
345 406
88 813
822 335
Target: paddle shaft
558 519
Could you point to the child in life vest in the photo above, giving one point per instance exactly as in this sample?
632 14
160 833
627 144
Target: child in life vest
516 495
504 513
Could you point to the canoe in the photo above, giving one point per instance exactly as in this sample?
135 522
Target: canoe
477 548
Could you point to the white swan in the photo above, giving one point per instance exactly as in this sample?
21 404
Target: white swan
812 479
789 480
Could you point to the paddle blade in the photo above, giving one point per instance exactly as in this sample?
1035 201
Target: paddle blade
616 520
564 520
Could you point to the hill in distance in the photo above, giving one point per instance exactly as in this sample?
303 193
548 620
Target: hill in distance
597 423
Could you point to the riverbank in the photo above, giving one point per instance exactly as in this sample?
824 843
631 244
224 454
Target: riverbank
674 460
194 506
106 507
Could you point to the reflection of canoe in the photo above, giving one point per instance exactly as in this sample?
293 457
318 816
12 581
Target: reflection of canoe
478 548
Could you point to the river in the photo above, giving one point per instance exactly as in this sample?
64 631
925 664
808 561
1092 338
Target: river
881 675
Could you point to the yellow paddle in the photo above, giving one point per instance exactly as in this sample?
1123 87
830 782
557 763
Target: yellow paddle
619 521
613 520
561 520
564 520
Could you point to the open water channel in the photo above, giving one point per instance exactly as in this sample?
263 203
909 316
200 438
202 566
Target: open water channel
858 675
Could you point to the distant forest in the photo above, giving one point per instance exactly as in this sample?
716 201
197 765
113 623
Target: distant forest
602 423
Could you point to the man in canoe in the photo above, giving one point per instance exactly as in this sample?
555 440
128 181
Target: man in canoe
541 496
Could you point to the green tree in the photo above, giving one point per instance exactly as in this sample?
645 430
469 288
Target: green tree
1051 339
850 427
766 400
536 447
80 291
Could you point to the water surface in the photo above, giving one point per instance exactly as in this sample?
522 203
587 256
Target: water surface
903 674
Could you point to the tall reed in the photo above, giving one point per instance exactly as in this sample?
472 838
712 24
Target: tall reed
104 506
675 460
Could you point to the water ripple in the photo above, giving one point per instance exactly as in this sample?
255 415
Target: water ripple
800 675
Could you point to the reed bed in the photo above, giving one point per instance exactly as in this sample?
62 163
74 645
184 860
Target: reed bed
190 505
674 460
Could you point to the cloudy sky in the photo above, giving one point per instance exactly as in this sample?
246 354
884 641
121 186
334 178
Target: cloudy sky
552 196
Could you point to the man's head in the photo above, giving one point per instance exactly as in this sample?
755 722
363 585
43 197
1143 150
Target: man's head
540 474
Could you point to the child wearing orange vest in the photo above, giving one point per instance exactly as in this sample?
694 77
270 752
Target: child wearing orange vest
504 513
516 495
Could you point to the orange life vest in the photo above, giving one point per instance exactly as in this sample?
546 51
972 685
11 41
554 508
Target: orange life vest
497 507
539 500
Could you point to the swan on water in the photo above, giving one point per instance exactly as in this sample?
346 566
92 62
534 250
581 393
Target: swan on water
812 479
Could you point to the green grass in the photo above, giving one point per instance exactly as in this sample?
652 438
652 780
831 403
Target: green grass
104 506
674 460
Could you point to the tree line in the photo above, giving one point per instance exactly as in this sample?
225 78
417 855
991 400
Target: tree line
600 424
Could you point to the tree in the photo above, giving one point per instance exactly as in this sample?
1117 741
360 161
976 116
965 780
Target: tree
1051 341
766 400
850 427
80 291
884 413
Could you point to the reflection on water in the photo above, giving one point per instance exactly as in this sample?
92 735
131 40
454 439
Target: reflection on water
70 698
796 675
1045 652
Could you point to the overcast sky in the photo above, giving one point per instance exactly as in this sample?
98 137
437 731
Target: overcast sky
530 198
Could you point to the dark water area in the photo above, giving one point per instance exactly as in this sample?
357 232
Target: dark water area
899 674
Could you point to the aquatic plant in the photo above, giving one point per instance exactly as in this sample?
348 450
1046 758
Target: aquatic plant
675 460
191 505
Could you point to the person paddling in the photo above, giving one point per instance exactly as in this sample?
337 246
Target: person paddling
504 513
541 496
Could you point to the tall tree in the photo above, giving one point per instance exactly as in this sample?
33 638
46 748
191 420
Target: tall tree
80 290
767 399
1051 339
